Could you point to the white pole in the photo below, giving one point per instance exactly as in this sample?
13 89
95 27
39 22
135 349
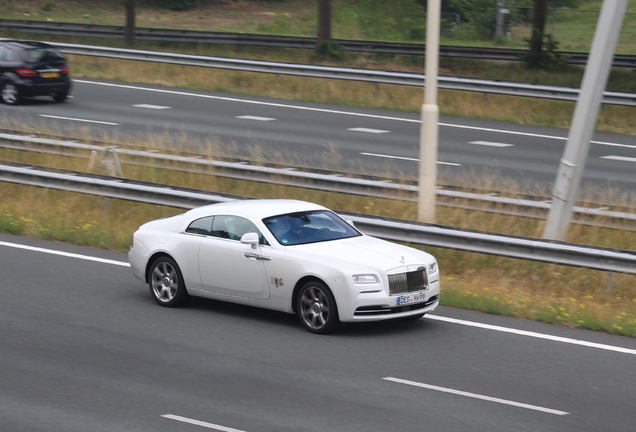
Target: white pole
430 117
585 117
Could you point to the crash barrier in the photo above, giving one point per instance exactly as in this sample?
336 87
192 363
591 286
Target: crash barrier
111 158
375 47
563 253
509 88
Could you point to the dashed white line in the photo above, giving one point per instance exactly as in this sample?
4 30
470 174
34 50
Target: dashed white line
156 107
405 158
375 116
367 130
249 117
79 120
619 158
200 423
490 144
477 396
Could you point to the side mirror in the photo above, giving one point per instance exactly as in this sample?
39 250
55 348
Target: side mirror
251 239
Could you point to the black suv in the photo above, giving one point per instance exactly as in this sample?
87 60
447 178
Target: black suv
29 69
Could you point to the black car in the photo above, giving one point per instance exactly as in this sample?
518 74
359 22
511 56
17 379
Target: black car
29 68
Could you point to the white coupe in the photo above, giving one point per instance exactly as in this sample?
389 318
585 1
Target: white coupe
286 255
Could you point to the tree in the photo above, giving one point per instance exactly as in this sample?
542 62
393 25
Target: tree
129 32
538 27
324 21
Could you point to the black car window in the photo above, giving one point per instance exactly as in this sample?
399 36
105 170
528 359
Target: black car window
233 227
309 227
43 54
6 54
201 226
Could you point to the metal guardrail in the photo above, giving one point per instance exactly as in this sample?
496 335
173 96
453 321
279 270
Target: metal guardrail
331 182
376 47
597 258
356 74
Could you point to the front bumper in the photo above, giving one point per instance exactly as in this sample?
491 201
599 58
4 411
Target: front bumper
378 306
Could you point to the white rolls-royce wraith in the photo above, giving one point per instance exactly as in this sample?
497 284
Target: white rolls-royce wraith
286 255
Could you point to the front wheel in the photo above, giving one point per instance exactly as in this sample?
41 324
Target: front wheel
10 93
166 283
317 308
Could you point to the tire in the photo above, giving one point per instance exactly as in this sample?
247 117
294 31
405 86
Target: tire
166 283
316 308
59 97
10 93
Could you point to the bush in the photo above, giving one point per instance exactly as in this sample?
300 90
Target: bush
330 50
178 5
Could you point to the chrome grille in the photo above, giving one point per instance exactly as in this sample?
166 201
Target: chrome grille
408 282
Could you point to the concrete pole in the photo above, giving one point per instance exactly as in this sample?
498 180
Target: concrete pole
430 116
586 112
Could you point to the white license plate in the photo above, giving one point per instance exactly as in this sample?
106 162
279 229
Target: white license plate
411 298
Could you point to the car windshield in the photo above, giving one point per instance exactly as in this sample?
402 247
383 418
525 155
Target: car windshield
43 54
309 227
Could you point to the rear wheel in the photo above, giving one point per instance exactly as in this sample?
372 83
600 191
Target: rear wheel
166 283
60 97
317 308
10 93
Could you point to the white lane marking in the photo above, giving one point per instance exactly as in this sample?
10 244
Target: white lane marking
406 158
79 120
490 144
619 158
476 396
366 130
200 423
375 116
534 334
66 254
157 107
249 117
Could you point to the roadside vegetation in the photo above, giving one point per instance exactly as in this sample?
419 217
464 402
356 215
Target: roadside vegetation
564 295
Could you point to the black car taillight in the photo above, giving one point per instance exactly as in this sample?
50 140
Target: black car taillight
26 72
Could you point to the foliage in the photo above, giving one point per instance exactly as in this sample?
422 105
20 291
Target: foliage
391 21
547 58
330 50
178 5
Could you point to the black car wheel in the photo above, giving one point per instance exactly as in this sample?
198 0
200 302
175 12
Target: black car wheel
317 308
166 283
10 93
60 97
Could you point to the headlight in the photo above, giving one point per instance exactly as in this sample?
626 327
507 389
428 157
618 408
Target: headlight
365 279
432 268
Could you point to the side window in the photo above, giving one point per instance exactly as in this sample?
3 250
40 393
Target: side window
233 227
4 53
201 226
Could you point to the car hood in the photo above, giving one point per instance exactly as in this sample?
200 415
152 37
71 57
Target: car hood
365 251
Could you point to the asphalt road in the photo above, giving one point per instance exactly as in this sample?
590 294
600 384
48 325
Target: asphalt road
85 348
359 140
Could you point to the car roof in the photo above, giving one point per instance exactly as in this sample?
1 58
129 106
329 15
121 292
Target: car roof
27 44
255 208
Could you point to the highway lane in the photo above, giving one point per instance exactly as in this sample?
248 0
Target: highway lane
300 133
84 347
